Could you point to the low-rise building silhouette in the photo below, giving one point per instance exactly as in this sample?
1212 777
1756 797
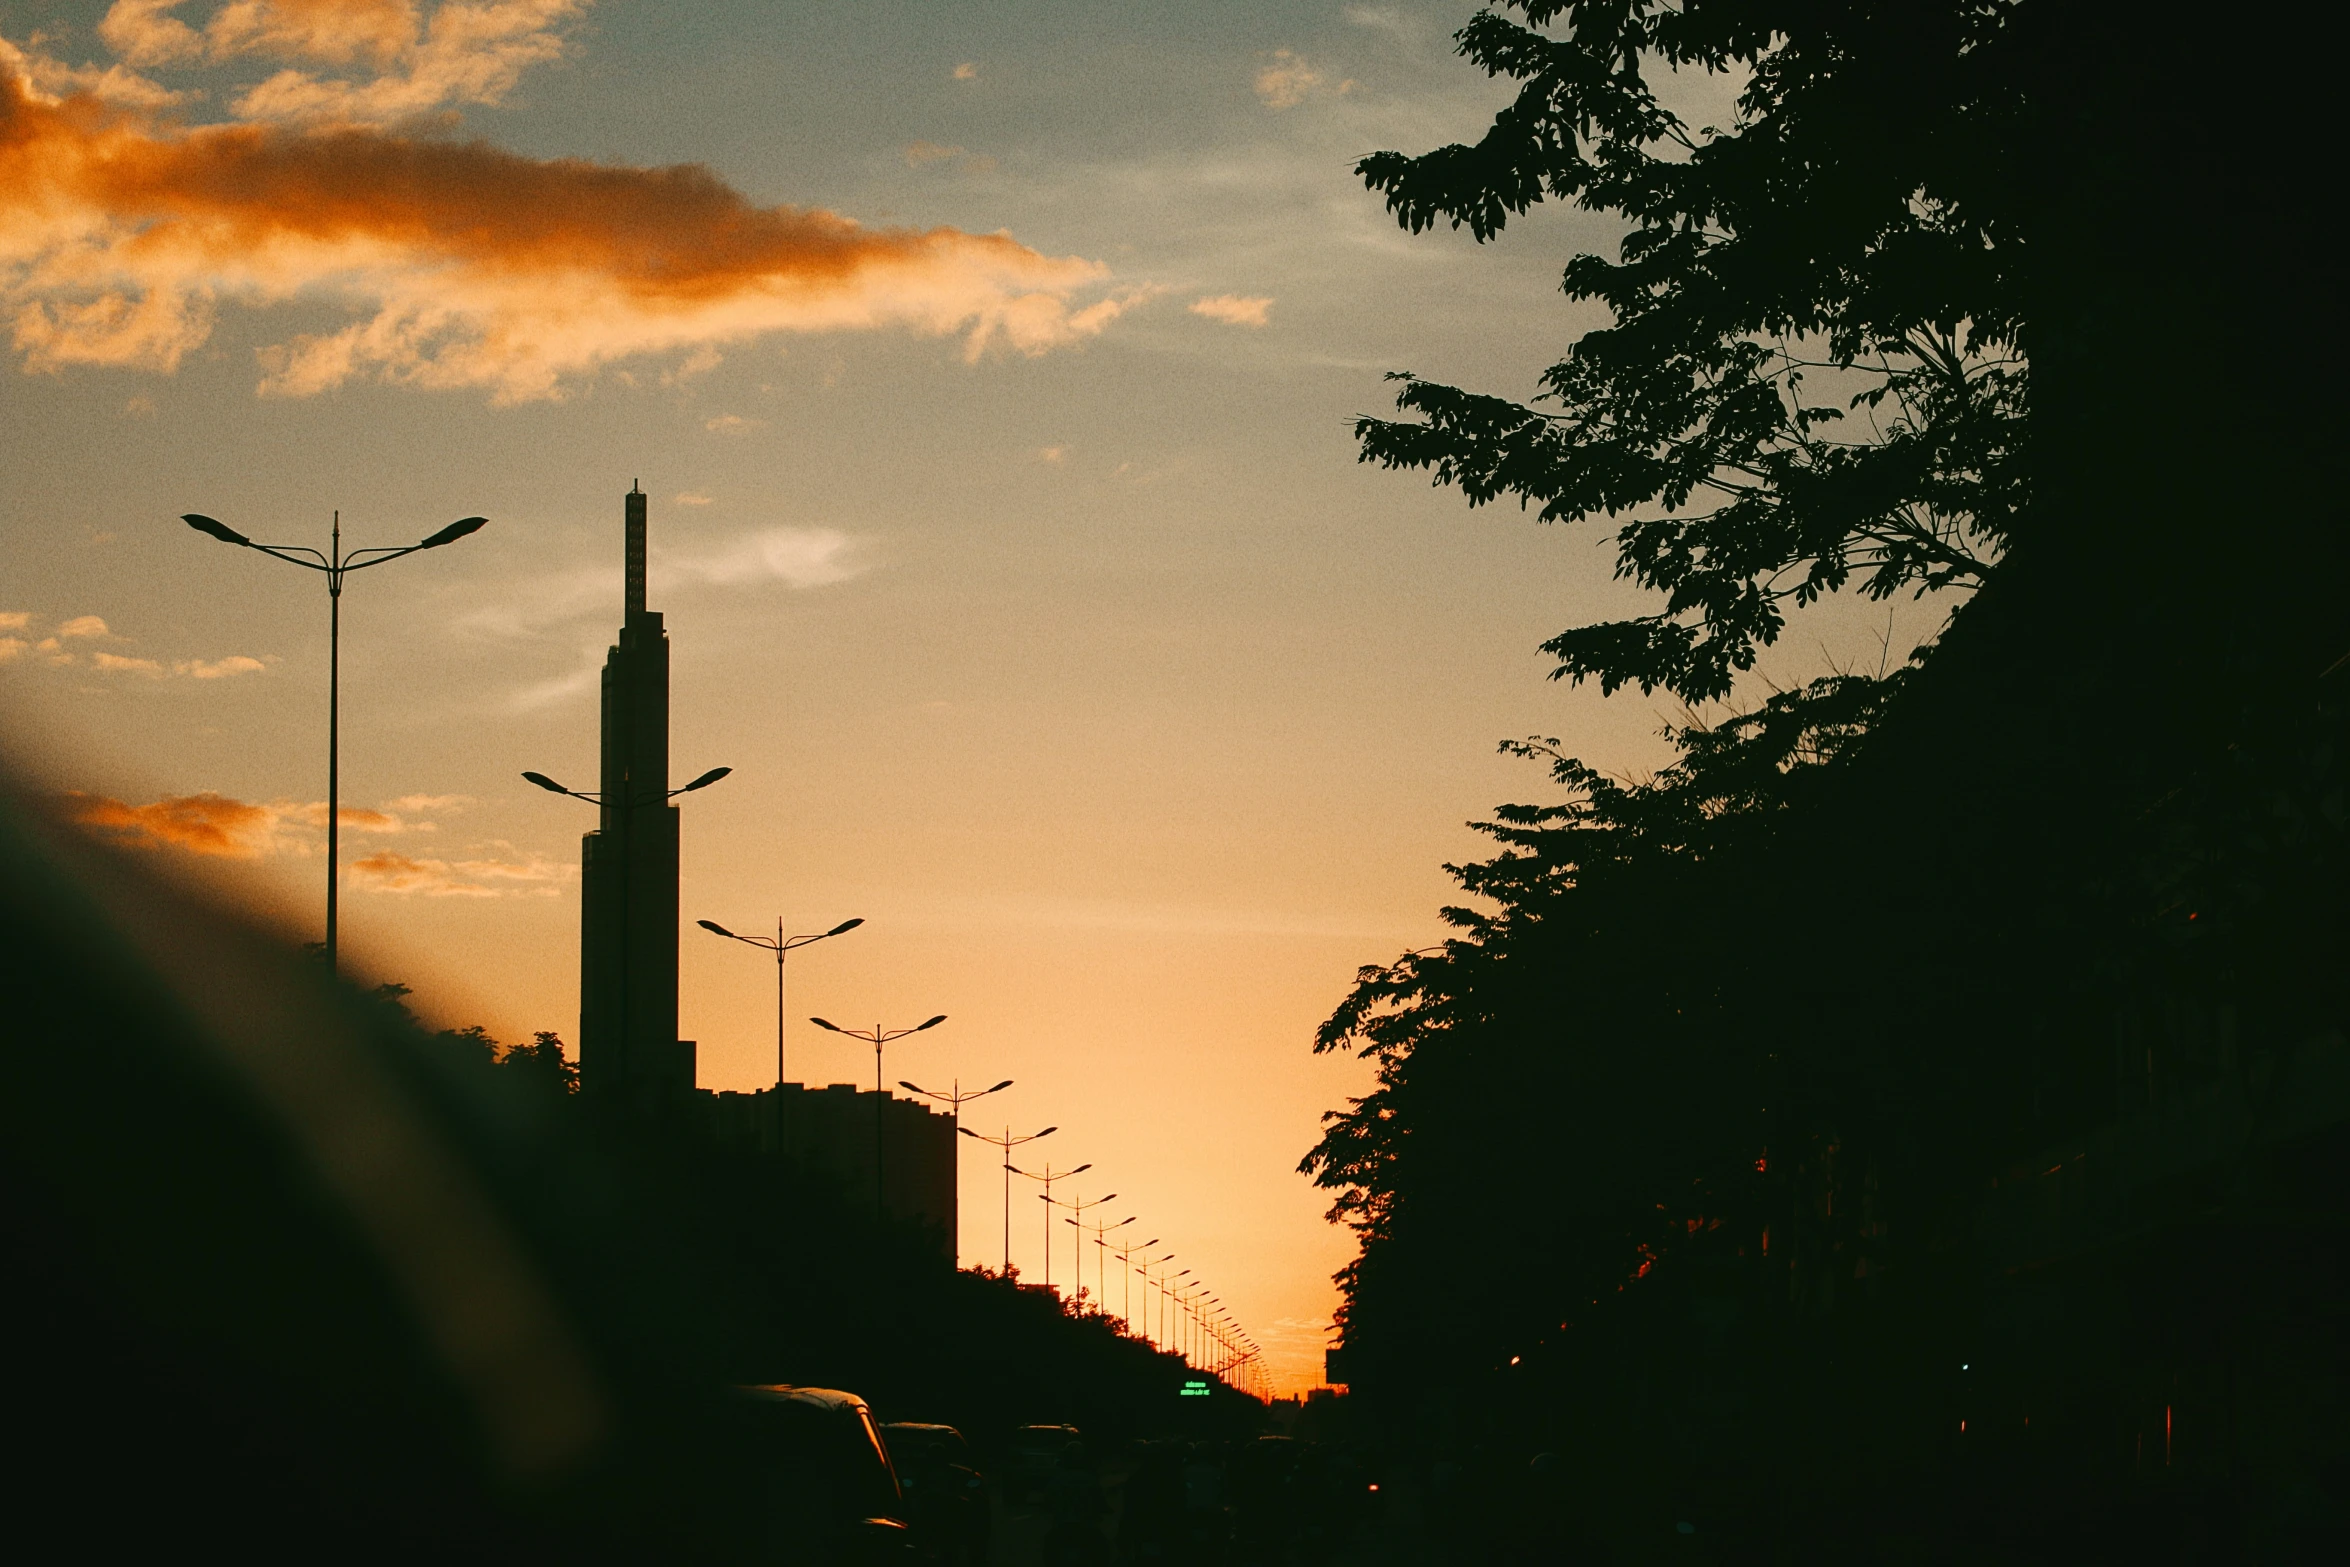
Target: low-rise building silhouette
831 1133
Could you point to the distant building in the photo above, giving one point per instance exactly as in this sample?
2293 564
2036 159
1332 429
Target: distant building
830 1132
628 1044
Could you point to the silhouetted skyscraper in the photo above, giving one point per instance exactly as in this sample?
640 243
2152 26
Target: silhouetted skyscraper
628 868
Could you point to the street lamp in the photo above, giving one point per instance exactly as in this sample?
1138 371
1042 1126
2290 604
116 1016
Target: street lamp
336 565
779 946
1074 1246
1101 1256
1049 1176
1167 1295
1151 1281
954 1099
593 798
1007 1143
1126 1265
878 1036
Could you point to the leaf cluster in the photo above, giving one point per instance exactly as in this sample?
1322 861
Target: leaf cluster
1811 377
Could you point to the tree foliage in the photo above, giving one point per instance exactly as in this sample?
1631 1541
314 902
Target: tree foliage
1812 378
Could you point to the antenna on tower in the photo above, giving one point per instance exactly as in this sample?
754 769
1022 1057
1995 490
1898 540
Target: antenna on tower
633 510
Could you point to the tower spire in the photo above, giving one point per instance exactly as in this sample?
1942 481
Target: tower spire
636 551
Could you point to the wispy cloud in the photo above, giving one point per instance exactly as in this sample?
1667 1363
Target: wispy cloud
731 424
57 650
115 84
1285 80
218 826
413 803
219 668
414 60
124 233
209 824
193 668
495 877
796 557
923 154
1233 309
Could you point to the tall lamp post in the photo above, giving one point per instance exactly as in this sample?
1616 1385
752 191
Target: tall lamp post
1007 1143
780 946
1126 1266
1167 1296
877 1036
1152 1314
1076 1247
1049 1176
954 1099
336 565
1101 1256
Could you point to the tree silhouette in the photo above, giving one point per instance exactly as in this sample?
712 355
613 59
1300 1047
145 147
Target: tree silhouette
1812 373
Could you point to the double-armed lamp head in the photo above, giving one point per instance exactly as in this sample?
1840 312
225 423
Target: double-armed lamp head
827 1023
552 787
228 535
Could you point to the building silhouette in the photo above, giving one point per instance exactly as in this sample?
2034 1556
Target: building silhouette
628 1044
629 1051
832 1134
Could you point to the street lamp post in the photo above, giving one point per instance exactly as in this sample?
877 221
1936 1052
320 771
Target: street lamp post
1126 1266
1049 1176
1167 1295
1076 1250
336 565
954 1099
1101 1256
1007 1143
1152 1316
878 1036
780 946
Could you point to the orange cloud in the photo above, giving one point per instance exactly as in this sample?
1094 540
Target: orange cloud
388 872
463 51
211 823
121 236
199 823
145 32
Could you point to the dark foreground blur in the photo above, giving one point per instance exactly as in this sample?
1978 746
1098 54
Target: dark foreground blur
288 1276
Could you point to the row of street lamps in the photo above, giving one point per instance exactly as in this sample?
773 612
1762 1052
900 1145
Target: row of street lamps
1205 1335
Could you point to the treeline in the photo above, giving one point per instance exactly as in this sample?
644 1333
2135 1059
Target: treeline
1918 1109
789 1279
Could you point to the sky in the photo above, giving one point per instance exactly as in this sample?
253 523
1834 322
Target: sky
991 370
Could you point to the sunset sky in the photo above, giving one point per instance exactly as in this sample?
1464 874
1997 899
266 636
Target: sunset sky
990 370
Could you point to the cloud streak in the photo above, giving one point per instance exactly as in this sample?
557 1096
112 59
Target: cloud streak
1233 309
123 235
386 871
207 824
415 62
216 826
53 649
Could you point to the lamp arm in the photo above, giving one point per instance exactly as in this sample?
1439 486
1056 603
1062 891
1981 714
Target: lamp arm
293 553
382 553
